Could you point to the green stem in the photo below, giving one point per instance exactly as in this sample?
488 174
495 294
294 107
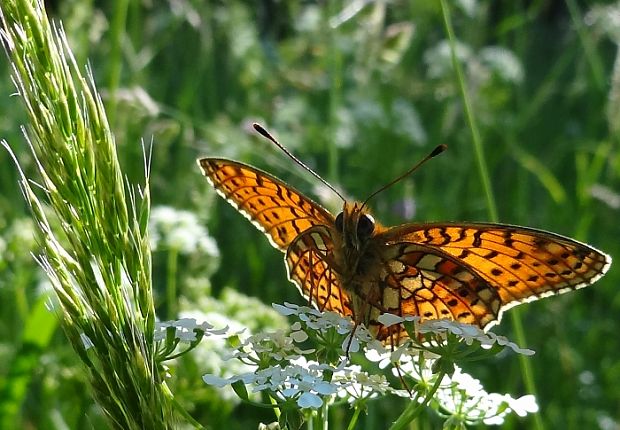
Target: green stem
526 369
593 60
335 91
276 408
525 363
471 120
114 60
414 408
171 283
356 414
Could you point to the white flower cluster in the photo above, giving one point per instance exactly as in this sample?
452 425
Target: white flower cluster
185 329
462 399
467 332
170 228
324 321
291 375
280 366
309 383
275 346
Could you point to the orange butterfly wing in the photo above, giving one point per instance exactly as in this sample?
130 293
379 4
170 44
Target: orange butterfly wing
420 280
310 266
275 208
414 279
521 263
282 213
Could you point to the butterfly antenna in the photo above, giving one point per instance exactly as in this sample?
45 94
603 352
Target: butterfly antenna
268 136
435 152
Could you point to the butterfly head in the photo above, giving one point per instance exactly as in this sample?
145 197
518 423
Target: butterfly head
356 225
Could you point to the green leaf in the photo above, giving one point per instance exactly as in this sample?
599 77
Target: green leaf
40 326
239 388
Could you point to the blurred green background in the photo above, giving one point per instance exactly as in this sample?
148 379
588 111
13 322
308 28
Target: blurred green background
359 90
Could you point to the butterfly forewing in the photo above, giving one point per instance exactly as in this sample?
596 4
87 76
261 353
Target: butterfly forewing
275 208
523 264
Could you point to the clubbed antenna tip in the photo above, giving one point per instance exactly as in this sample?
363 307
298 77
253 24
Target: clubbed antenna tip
438 150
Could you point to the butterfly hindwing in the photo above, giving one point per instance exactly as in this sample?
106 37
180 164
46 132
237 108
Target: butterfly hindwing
429 283
311 268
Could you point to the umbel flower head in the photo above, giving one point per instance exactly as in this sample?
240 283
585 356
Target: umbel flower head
293 368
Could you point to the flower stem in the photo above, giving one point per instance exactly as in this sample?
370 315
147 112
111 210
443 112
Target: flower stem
414 408
171 283
354 418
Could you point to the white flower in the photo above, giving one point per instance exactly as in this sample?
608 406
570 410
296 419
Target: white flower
276 345
523 405
185 329
292 376
297 334
309 400
392 319
466 383
304 383
316 319
467 332
419 368
463 398
171 228
324 321
503 62
356 384
310 383
438 58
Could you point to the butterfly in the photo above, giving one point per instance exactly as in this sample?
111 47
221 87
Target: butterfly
352 265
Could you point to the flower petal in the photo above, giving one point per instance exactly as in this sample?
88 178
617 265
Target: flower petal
309 400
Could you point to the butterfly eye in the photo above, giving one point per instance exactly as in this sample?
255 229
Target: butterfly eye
340 222
365 226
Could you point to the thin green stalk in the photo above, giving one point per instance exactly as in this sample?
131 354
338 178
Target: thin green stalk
525 364
171 283
414 408
324 416
276 410
114 59
515 316
483 171
594 61
335 91
354 418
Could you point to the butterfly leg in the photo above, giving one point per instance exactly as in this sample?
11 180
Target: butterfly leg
394 339
348 348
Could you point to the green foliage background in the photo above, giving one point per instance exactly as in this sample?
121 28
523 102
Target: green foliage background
360 95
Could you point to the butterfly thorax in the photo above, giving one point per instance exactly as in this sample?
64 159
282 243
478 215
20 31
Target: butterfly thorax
357 255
